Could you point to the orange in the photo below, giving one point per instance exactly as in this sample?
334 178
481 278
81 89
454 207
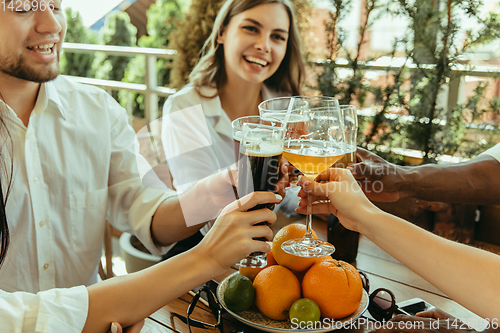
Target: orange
276 288
335 285
296 264
252 272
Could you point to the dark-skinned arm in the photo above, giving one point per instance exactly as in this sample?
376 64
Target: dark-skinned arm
473 182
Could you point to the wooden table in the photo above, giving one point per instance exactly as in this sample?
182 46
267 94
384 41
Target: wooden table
383 271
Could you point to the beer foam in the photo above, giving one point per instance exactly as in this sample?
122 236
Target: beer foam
264 149
237 136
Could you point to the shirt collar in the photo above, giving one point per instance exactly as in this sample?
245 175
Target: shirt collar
212 107
48 93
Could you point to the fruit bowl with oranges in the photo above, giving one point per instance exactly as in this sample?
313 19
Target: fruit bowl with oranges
293 293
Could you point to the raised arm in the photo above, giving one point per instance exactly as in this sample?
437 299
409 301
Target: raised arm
466 274
474 182
131 298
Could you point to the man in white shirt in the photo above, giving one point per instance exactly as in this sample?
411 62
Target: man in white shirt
73 163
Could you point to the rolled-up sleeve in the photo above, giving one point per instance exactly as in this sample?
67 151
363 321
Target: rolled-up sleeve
55 310
131 205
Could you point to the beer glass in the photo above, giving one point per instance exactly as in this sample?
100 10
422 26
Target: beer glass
345 241
259 164
351 131
319 147
275 109
236 126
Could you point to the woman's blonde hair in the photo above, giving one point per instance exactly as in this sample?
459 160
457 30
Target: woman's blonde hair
210 70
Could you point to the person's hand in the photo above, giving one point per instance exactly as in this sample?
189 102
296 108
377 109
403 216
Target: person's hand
215 192
117 328
428 321
335 191
232 237
380 180
284 180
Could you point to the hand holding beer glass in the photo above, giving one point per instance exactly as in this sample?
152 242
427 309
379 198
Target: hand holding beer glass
259 165
318 147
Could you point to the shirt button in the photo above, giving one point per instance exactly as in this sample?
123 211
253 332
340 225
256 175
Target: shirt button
35 180
42 223
45 266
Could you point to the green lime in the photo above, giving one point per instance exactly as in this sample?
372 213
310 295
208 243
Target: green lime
239 293
304 310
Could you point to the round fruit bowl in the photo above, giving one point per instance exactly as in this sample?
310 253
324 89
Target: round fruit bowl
256 319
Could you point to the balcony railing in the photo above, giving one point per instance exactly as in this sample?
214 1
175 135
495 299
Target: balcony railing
152 91
149 88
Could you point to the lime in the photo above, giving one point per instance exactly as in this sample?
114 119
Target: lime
239 293
304 310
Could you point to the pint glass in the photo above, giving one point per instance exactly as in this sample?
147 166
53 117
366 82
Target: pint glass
259 164
236 127
345 241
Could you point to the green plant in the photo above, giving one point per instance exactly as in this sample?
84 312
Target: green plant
77 64
118 31
433 48
162 17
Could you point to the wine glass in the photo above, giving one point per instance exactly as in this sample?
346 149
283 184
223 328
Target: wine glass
318 147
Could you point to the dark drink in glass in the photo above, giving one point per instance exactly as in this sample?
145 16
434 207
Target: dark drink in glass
259 165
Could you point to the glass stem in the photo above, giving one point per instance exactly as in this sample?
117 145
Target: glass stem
308 235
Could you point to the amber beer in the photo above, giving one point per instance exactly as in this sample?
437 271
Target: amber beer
348 159
312 157
259 171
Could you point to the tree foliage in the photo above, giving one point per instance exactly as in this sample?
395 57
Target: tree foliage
433 44
77 64
117 31
162 17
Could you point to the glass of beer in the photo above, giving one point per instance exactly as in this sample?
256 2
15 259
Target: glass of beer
275 109
319 147
259 165
236 127
345 241
351 131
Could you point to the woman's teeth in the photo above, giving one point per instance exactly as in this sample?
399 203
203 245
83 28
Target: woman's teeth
256 61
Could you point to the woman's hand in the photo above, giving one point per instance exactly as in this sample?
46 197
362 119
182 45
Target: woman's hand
346 199
232 236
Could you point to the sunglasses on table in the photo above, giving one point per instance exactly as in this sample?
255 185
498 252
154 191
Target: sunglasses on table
382 302
213 305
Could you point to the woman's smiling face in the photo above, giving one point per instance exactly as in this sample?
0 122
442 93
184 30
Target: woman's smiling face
255 42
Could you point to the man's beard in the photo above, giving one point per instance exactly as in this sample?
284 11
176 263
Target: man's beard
20 69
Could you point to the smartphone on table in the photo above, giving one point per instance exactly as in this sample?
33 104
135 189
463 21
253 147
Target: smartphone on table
412 306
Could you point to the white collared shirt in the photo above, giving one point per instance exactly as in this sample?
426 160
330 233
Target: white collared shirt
74 167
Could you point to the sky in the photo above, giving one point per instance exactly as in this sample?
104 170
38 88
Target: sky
91 10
